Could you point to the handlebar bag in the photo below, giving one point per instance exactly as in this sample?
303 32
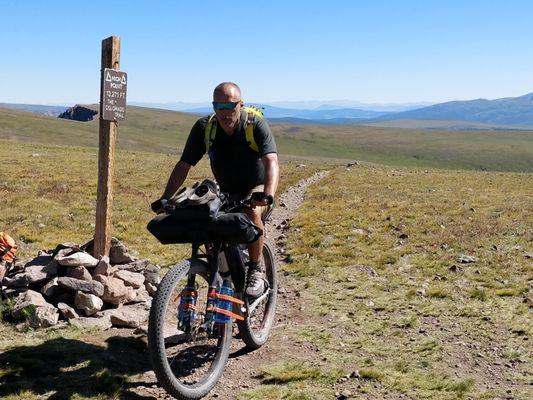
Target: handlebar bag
201 212
202 201
230 228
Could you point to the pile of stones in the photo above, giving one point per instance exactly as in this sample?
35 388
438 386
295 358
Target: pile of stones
69 284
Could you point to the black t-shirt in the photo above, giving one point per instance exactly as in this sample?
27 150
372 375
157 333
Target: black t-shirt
237 168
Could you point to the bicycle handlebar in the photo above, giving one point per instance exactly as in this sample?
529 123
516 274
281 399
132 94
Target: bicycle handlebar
164 206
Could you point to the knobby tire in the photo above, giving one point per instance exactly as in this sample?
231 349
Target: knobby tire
251 335
156 338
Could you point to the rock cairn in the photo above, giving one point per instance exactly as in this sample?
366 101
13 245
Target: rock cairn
69 284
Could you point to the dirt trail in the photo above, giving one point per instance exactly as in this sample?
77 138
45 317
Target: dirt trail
243 367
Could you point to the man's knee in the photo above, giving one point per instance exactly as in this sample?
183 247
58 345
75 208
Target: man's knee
255 214
258 216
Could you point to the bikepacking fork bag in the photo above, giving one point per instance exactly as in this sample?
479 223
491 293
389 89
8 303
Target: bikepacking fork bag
229 228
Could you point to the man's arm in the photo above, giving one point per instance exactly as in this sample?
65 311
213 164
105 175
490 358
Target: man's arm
270 162
176 179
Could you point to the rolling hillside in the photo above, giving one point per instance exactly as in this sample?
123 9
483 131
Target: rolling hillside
164 131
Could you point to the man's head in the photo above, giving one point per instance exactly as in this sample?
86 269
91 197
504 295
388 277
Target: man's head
227 104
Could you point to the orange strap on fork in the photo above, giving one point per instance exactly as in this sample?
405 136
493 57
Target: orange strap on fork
185 293
226 312
230 298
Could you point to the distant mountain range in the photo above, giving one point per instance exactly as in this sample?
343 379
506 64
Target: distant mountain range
504 113
325 112
298 105
50 111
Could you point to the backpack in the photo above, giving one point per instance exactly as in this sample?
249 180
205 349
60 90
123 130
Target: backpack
211 129
8 248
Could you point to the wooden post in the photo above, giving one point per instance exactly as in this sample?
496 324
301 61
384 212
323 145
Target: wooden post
106 156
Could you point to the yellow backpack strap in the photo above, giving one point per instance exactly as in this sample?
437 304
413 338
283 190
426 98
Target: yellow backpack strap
249 129
210 131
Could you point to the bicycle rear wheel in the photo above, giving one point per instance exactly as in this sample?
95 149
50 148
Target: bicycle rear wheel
187 361
255 329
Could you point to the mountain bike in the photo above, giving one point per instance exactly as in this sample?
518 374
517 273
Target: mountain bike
191 318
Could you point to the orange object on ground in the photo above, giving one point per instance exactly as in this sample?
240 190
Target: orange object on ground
8 247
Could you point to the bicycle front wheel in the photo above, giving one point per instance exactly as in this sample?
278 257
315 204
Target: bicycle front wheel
187 361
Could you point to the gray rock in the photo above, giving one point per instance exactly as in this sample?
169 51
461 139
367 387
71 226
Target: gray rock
104 267
150 288
36 274
80 273
51 289
26 299
133 279
88 303
119 254
93 287
135 266
152 276
18 281
131 296
33 274
84 323
67 311
70 258
141 295
455 268
114 289
465 259
44 316
131 316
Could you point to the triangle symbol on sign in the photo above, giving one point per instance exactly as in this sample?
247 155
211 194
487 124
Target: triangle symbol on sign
123 79
108 77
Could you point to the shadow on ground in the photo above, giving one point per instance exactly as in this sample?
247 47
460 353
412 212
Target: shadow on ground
62 368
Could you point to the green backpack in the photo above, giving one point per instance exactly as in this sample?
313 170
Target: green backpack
251 113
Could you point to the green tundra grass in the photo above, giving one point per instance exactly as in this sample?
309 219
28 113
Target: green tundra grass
375 253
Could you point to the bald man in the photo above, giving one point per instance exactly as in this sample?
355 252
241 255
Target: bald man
239 170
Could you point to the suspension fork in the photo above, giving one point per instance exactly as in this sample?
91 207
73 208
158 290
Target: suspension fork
236 267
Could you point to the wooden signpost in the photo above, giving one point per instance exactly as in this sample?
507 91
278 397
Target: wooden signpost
112 109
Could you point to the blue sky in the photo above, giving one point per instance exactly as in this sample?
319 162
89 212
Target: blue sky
369 51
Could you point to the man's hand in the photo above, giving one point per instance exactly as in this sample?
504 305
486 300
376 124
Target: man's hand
157 206
261 199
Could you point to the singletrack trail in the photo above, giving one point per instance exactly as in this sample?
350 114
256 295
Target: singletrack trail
243 366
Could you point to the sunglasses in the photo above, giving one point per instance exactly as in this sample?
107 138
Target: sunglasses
225 105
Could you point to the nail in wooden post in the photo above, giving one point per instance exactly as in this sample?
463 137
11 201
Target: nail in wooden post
106 156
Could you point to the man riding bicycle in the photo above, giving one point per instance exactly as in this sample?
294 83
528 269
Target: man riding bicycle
243 156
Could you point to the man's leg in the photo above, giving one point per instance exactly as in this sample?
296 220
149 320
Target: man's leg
255 249
255 282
